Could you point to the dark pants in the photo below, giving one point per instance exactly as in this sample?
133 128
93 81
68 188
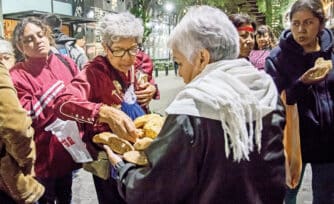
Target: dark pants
322 184
6 199
59 189
106 191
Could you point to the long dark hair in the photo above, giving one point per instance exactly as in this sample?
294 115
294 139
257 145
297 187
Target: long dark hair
240 19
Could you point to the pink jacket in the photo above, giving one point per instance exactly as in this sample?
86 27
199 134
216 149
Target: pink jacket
38 82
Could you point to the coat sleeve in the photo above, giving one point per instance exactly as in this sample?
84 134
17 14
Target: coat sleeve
161 181
294 90
15 131
271 69
75 102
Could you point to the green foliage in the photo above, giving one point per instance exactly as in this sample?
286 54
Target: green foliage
141 10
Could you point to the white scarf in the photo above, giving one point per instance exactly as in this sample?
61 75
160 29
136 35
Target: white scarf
235 93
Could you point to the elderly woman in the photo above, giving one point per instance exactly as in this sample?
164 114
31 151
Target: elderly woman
38 80
7 56
222 139
105 86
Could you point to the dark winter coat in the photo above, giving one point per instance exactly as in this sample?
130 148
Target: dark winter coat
286 63
188 165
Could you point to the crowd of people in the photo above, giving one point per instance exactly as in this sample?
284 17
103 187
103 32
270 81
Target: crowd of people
222 139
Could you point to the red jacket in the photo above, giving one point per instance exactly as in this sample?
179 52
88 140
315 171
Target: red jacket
38 82
98 83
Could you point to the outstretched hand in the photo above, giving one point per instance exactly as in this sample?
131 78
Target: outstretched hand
118 122
318 72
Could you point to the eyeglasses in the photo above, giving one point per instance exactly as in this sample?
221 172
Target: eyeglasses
120 53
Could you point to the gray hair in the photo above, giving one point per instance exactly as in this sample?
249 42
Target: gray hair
6 47
205 27
120 25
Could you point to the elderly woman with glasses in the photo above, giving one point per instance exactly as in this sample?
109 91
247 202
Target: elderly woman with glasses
103 96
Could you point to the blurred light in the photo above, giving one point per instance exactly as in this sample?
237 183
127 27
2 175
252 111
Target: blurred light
90 14
169 7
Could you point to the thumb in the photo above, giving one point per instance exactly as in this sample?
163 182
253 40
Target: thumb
108 150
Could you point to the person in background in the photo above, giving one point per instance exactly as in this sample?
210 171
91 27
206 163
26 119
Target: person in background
264 42
17 147
64 44
222 139
246 29
293 67
7 56
99 96
38 80
80 44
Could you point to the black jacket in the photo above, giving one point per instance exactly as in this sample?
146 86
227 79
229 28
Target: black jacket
286 64
188 165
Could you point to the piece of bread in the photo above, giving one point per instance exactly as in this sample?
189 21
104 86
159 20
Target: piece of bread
153 127
116 144
142 120
136 157
322 66
142 143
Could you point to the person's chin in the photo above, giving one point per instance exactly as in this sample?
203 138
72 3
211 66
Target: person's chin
124 69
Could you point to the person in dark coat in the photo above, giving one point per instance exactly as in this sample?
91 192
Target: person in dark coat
292 65
222 139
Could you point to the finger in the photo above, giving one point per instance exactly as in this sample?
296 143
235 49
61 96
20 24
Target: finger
132 132
107 148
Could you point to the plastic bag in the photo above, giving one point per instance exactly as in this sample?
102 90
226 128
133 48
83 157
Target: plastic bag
67 133
291 142
130 105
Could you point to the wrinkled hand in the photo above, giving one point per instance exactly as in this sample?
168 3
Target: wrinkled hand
145 93
113 158
315 74
118 122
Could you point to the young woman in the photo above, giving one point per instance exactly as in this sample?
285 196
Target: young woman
38 80
204 152
293 67
264 42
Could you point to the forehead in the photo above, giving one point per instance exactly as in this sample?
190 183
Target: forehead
178 56
31 28
302 15
124 42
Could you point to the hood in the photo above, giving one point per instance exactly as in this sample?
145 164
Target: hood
287 42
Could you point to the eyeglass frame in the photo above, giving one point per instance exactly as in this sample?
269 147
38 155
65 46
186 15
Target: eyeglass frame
124 51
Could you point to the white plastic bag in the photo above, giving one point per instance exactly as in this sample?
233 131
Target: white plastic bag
67 133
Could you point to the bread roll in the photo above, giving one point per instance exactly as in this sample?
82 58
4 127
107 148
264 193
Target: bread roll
136 157
142 143
116 144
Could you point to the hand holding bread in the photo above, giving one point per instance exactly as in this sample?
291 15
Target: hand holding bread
148 126
318 72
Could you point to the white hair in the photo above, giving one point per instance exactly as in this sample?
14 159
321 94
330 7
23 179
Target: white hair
205 27
6 47
120 25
